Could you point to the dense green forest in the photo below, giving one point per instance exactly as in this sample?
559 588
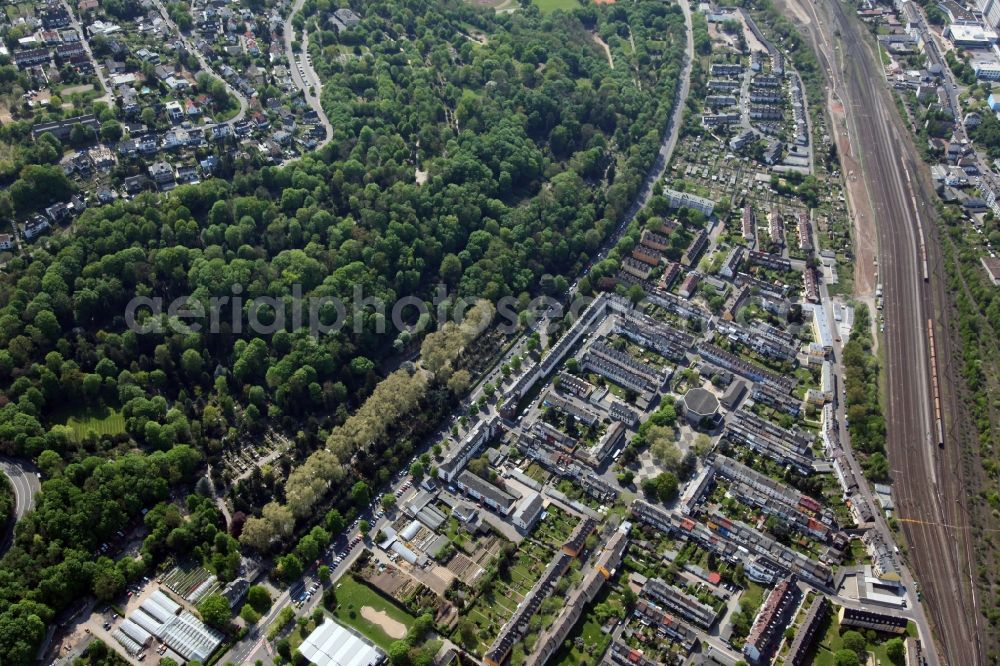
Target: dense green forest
534 147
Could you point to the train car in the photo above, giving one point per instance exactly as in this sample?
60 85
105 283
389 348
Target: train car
935 388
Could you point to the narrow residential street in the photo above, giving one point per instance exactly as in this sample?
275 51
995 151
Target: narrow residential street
109 97
206 67
303 74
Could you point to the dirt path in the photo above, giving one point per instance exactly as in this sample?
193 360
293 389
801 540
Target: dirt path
594 37
392 628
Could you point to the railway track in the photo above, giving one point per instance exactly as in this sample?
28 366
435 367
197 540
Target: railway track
921 409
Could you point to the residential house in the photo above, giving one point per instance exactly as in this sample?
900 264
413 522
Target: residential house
808 630
135 184
489 494
174 111
59 213
34 227
61 129
30 57
64 52
161 173
679 199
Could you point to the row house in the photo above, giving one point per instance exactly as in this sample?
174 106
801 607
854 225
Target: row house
769 260
574 385
608 560
618 365
723 85
766 112
810 285
647 255
689 287
731 266
776 228
655 240
720 119
784 447
664 340
26 58
765 96
639 269
769 625
678 306
457 458
682 603
805 232
749 225
726 69
667 626
697 246
669 275
765 81
809 629
513 630
65 52
572 408
735 364
720 101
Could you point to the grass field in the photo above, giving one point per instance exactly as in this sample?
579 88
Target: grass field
352 596
104 421
549 6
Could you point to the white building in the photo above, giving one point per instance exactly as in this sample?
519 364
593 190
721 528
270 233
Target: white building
820 326
331 644
679 199
526 511
970 36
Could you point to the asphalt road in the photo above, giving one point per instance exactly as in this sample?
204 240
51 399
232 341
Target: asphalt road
205 65
24 479
928 481
306 78
108 96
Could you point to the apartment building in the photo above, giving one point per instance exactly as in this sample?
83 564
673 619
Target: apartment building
863 618
621 368
774 262
679 199
681 603
770 623
737 365
783 446
809 628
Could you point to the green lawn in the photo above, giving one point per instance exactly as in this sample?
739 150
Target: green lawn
104 421
352 596
549 6
755 593
299 634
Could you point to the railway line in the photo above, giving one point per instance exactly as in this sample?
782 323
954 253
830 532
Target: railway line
923 435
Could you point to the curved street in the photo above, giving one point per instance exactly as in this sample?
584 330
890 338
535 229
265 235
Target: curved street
24 480
303 74
205 66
